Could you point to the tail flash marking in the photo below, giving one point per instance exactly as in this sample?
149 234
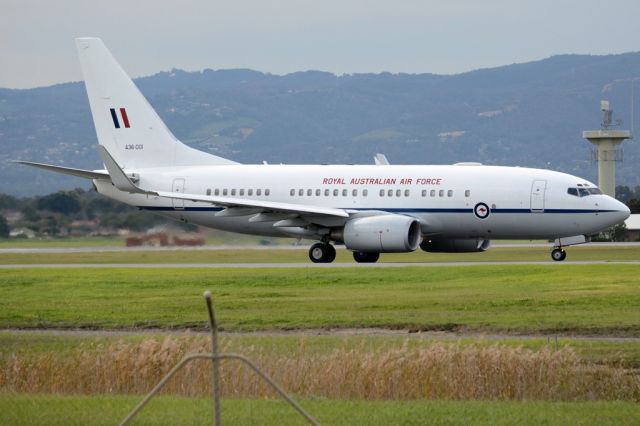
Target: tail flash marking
115 118
125 119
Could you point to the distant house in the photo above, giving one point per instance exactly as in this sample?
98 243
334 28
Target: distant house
22 233
632 231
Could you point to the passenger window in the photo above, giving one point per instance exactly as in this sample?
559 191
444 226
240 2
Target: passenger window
406 192
573 191
335 192
382 192
292 192
441 193
258 192
208 191
354 192
242 192
224 191
326 192
390 193
317 192
467 193
344 192
365 192
250 192
267 192
433 193
450 193
301 192
233 192
309 192
398 192
216 191
424 192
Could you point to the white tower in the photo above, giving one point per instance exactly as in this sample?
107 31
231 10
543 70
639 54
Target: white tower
606 153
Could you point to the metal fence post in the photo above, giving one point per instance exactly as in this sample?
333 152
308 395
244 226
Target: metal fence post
215 357
215 360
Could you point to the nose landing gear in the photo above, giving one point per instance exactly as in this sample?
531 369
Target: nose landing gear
558 254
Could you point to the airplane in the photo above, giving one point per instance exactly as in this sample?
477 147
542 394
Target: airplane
370 209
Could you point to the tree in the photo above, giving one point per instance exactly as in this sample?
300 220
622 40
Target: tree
4 227
60 202
8 202
634 205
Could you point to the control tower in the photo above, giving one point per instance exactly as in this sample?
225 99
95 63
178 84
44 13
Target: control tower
607 153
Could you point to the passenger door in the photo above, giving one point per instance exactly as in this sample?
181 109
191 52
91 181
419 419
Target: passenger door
178 187
538 189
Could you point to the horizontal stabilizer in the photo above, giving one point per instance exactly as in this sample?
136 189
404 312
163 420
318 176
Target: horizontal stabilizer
87 174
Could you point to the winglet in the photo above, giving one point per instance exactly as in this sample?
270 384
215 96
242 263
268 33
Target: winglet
381 160
118 177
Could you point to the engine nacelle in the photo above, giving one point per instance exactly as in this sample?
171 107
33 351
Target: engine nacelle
382 234
455 245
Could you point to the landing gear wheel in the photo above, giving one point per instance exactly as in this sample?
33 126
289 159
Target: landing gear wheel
362 257
322 253
558 254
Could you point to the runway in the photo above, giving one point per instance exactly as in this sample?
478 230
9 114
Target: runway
309 265
112 249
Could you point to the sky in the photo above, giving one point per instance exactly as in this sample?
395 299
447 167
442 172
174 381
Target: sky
283 36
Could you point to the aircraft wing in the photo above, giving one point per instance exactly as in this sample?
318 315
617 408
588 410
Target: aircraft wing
87 174
270 206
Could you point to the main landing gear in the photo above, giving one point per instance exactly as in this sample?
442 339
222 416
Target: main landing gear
322 253
558 254
365 257
326 253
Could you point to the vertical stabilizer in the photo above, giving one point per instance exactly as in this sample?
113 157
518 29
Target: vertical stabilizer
126 125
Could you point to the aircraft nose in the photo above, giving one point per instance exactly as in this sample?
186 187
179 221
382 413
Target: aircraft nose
620 211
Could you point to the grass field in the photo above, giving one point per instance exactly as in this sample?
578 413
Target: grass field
109 410
299 255
494 367
510 300
582 299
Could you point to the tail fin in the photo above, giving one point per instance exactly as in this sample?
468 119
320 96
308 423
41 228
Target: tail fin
125 122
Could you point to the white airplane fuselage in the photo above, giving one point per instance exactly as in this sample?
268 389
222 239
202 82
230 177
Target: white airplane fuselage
522 202
370 209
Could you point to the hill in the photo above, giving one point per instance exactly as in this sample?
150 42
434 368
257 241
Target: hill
529 114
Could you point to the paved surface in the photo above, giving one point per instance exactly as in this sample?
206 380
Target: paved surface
102 249
310 265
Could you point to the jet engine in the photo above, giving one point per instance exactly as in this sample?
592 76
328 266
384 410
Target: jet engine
382 234
455 245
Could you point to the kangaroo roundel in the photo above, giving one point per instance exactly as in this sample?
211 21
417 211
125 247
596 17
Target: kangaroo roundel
481 210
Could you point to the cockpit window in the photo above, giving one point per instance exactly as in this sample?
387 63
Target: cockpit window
583 192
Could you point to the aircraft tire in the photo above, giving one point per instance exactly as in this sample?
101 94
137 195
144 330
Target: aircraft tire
558 254
365 257
322 253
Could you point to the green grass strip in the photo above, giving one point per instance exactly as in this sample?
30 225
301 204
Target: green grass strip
581 299
109 410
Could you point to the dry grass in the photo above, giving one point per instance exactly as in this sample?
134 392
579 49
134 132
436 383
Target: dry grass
437 372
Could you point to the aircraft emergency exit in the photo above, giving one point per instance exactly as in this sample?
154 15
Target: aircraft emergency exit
371 209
